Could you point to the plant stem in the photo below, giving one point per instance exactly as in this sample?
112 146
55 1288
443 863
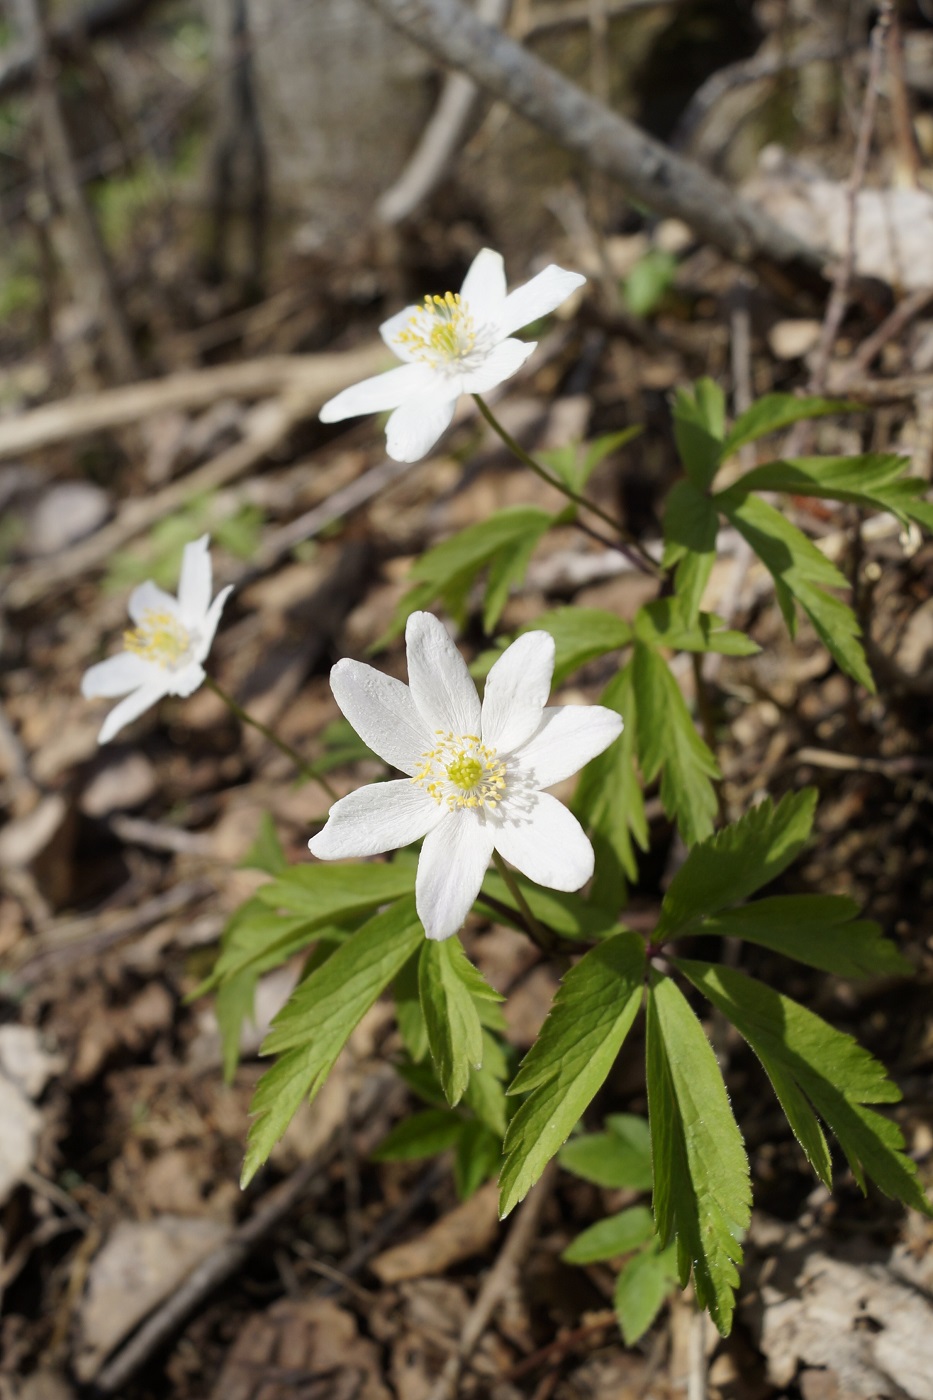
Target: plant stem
629 546
543 937
245 717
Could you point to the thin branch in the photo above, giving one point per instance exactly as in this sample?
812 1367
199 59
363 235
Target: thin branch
650 172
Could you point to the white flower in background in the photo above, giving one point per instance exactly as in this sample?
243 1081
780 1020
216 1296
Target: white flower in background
163 652
459 343
475 772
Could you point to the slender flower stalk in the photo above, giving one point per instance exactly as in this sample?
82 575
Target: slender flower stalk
543 937
305 769
627 544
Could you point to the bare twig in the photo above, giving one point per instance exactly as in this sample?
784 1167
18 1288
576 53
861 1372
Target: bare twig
649 171
891 327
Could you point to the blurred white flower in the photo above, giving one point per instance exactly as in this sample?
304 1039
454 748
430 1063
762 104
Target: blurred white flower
475 772
459 343
163 652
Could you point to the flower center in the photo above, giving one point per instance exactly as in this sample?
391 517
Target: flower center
161 638
461 772
441 332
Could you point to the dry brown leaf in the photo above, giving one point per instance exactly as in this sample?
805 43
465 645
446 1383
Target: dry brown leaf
463 1232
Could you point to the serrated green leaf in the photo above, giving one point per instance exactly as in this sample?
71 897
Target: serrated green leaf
233 1005
663 623
617 1234
313 1027
773 412
820 930
485 1091
257 938
450 987
691 522
669 744
835 1073
800 572
565 914
422 1135
408 1013
266 851
574 463
874 480
611 1159
332 893
641 1290
580 635
477 1158
699 426
506 570
702 1193
738 860
610 802
590 1018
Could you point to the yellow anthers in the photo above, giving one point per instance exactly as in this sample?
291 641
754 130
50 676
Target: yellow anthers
160 637
440 330
461 771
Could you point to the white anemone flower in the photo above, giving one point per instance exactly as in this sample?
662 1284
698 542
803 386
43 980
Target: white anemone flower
164 649
458 343
476 772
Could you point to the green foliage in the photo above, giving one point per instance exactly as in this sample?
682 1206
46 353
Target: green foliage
668 743
159 557
649 282
266 851
575 463
776 411
610 803
568 915
664 623
691 523
451 991
592 1013
738 860
808 1060
334 893
607 1239
620 1156
702 1193
820 930
313 1027
422 1135
641 1289
874 481
699 428
502 545
580 635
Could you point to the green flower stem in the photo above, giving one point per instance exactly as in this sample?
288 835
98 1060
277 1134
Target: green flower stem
629 545
543 937
245 717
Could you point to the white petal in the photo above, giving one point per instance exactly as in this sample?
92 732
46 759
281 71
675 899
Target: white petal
547 844
391 328
483 287
186 681
538 297
117 675
517 689
503 360
148 597
453 862
382 711
568 737
440 682
381 817
209 626
416 425
194 585
129 709
382 391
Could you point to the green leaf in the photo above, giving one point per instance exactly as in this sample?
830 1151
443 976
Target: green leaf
580 634
313 1027
738 860
266 851
477 1159
702 1194
691 522
617 1234
504 541
566 914
408 1013
648 282
820 930
874 480
233 1005
699 426
591 1016
800 572
485 1092
663 623
450 987
574 469
669 744
831 1069
257 938
776 411
423 1135
332 893
610 802
619 1157
641 1290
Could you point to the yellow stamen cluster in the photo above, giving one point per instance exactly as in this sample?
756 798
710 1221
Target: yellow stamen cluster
160 637
461 772
441 329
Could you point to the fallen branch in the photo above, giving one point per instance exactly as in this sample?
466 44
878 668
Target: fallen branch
649 171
